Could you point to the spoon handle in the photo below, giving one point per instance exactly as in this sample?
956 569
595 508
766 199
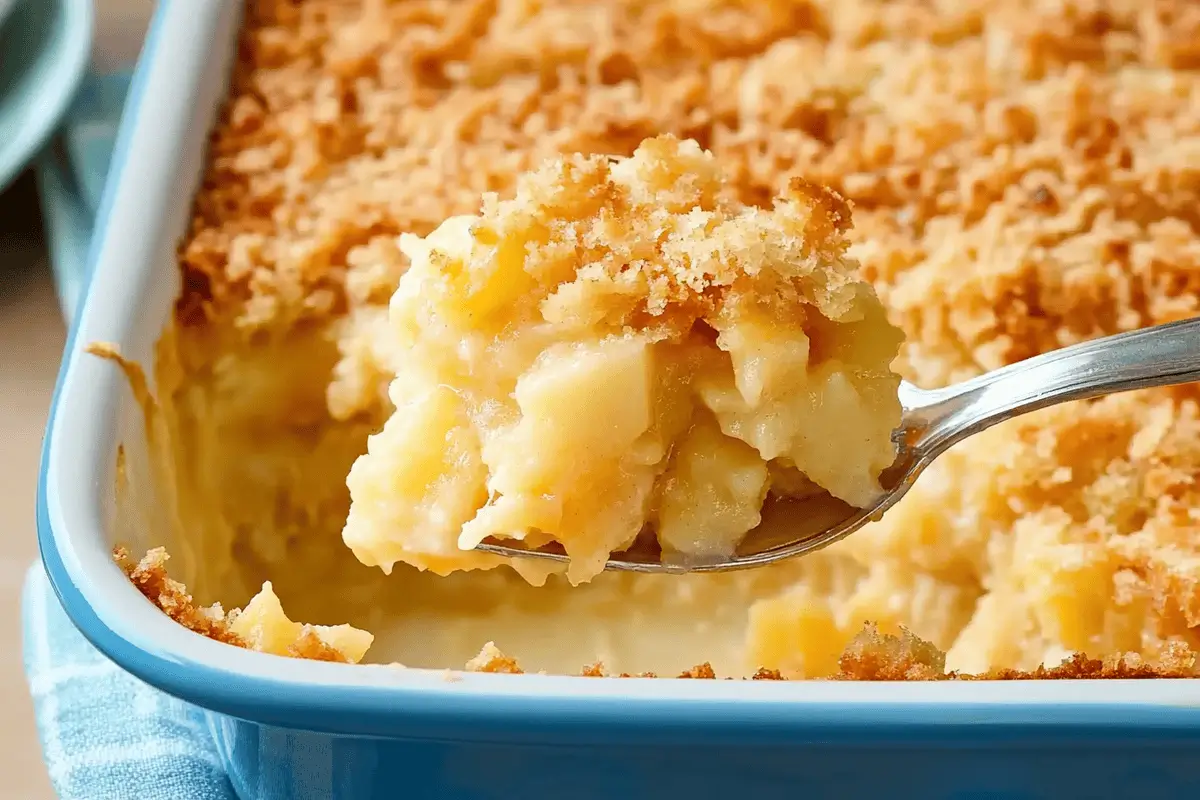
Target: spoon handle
1165 355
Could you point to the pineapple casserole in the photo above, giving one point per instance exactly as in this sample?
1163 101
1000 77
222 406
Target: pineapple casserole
617 347
1022 174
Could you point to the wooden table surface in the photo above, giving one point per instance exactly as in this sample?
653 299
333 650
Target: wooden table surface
31 342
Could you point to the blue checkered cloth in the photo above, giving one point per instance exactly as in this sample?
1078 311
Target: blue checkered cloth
105 735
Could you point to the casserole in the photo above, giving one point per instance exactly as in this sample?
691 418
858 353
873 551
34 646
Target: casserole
291 728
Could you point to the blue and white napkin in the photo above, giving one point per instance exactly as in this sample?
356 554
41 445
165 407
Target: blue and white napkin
105 734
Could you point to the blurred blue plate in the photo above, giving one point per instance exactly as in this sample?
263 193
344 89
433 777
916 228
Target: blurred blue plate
6 7
44 49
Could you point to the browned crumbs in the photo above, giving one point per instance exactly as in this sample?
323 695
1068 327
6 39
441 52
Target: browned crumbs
151 579
1048 146
490 659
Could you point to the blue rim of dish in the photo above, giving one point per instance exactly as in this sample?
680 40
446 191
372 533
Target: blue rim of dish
402 711
74 52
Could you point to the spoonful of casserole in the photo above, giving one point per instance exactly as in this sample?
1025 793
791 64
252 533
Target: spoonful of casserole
625 367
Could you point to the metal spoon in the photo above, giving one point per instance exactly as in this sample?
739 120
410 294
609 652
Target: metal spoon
934 421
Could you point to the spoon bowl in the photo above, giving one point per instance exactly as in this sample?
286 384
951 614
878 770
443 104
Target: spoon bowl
933 421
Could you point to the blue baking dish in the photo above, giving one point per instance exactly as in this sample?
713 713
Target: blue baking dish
288 728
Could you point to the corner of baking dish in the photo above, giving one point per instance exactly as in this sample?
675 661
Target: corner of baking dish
171 100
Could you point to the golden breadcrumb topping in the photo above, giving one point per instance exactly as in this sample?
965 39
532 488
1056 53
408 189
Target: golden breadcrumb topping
150 577
261 626
1024 170
618 350
651 242
872 656
1024 174
490 659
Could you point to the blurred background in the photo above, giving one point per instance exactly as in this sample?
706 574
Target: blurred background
31 341
56 58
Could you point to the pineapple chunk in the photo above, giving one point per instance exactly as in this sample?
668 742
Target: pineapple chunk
795 633
264 626
589 484
712 492
439 482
